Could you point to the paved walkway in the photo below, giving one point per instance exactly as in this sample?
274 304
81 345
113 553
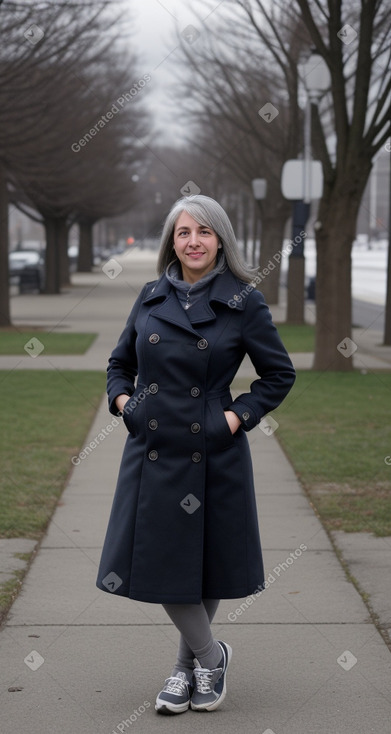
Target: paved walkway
307 658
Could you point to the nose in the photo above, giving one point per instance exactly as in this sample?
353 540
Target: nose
193 240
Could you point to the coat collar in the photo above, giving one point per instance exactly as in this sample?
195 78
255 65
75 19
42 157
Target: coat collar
225 288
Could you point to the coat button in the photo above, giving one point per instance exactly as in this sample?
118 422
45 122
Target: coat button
153 455
153 424
196 457
245 416
202 344
153 388
194 392
154 338
195 427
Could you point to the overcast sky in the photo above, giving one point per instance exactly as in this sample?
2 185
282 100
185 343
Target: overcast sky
156 43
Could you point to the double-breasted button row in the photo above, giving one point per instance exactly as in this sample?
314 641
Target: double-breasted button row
153 388
202 344
154 338
195 392
153 424
195 427
153 455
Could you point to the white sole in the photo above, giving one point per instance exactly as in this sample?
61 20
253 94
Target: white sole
215 704
167 709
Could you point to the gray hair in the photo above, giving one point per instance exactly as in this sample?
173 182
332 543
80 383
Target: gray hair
207 212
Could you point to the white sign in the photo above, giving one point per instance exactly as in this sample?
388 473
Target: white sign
293 179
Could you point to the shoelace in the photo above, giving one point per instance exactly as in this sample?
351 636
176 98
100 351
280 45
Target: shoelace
174 685
203 681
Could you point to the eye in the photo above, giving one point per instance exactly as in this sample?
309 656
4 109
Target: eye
205 231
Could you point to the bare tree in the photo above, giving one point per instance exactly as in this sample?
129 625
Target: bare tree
53 85
230 80
350 126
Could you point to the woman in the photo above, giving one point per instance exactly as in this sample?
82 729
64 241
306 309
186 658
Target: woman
183 529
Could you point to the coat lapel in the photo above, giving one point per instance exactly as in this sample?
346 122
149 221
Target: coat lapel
225 288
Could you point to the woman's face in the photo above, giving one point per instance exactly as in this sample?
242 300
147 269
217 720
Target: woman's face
196 247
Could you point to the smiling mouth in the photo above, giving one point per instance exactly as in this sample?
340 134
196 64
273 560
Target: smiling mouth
195 254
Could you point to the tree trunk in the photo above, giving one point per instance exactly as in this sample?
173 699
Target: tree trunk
387 321
337 215
296 267
85 258
272 237
52 260
245 224
65 279
295 290
255 229
5 318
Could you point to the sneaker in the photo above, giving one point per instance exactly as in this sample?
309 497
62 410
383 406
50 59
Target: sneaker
174 698
210 685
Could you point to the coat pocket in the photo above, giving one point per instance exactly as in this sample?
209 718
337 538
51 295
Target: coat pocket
131 414
218 430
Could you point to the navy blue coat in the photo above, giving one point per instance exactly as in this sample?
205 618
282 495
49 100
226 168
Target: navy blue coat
183 525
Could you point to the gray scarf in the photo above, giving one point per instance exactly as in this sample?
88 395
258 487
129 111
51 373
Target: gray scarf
189 293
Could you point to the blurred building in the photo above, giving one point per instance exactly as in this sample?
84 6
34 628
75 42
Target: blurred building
373 216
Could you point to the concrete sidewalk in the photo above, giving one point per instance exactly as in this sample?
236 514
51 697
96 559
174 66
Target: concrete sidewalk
307 658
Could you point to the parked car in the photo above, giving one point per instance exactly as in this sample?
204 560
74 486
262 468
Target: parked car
27 270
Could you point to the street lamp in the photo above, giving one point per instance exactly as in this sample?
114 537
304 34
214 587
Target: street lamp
316 78
302 181
259 187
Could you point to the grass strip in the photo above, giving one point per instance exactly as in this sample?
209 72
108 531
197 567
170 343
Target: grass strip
335 428
299 338
44 420
37 342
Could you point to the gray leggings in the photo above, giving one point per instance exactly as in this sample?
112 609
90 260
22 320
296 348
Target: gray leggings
193 622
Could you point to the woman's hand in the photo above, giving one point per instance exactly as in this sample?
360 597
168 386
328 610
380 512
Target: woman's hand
121 400
232 420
